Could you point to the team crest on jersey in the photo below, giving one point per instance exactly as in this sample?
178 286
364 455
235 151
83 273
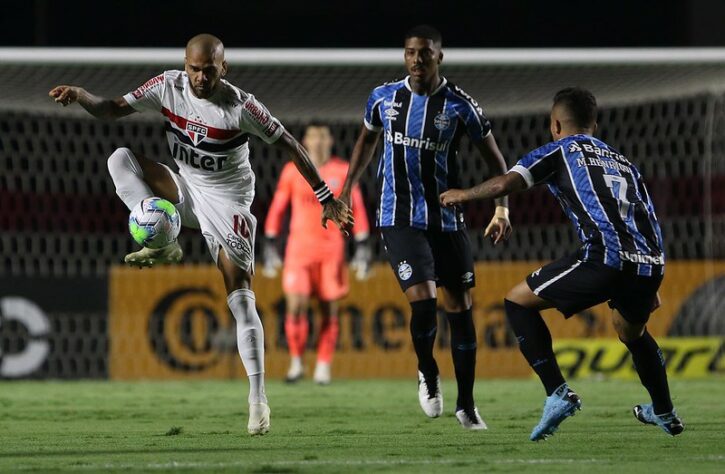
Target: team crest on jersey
442 121
574 147
196 132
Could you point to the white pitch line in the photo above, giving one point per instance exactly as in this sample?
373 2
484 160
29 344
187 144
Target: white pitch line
322 462
350 463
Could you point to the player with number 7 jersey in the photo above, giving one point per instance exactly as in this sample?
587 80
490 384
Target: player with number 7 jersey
621 260
605 197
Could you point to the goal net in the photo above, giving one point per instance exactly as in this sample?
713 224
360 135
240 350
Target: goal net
63 230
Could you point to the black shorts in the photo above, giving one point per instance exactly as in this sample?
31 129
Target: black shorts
573 286
428 255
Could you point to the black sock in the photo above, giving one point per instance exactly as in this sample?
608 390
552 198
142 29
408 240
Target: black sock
535 344
463 350
423 328
650 365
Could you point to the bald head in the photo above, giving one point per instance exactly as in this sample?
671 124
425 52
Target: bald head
205 64
205 44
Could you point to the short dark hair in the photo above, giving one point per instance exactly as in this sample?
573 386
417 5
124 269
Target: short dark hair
316 123
581 103
427 32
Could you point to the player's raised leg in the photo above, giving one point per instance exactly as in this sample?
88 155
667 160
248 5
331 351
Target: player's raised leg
649 362
327 340
137 178
250 339
296 328
522 311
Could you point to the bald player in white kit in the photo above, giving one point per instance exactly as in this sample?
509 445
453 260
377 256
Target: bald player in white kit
208 122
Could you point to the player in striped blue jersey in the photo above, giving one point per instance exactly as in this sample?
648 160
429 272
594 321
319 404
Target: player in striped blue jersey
422 119
621 260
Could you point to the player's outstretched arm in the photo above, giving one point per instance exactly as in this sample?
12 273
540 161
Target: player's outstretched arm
332 209
99 107
493 188
362 154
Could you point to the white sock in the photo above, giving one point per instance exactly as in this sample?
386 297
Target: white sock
250 341
128 177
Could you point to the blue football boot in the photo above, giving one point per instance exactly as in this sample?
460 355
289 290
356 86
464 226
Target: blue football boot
669 422
562 403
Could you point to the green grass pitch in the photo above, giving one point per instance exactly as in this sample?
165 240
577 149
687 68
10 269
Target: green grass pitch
349 426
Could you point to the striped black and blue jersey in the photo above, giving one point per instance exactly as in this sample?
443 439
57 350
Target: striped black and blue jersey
421 135
604 196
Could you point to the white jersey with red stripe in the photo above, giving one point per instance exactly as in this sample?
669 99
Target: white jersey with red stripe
208 138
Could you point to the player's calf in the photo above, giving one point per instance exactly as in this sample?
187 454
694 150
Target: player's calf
296 328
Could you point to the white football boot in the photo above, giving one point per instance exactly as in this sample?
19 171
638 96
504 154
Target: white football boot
258 419
296 370
471 421
322 373
431 401
147 257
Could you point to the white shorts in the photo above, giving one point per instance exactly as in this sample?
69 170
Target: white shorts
224 223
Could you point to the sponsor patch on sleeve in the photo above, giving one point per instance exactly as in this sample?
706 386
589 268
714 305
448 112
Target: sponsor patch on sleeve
148 85
257 113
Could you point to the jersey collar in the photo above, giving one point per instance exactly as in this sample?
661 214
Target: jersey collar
443 83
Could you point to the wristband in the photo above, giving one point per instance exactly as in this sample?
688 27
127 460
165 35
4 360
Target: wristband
502 212
322 193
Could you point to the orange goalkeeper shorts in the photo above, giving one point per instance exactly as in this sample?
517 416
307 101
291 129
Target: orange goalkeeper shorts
325 279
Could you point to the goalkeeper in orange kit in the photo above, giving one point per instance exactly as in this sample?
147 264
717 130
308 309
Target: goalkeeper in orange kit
314 263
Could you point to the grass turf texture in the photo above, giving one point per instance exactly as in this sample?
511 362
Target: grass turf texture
349 426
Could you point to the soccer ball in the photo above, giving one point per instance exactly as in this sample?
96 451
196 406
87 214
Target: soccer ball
154 223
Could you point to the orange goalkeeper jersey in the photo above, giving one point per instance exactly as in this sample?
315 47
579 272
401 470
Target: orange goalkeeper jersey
308 240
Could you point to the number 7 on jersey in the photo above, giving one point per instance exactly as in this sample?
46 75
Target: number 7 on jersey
618 186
